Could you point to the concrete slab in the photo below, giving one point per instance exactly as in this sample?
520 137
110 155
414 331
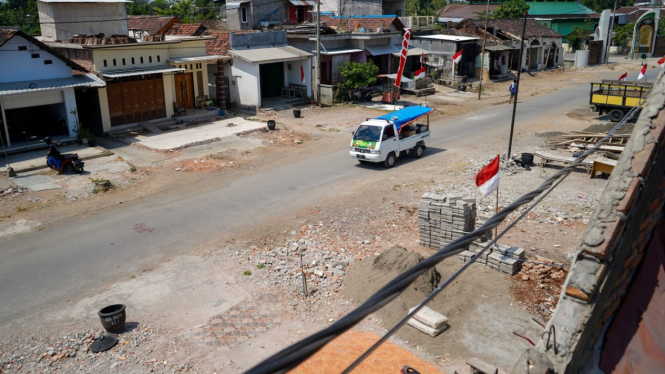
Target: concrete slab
133 155
178 139
35 182
35 160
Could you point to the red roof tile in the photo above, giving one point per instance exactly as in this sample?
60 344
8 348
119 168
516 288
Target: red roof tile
221 45
186 29
152 24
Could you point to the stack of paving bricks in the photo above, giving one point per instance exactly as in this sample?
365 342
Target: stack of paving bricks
499 257
443 219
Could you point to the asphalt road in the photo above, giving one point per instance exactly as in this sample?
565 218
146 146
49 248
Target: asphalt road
42 268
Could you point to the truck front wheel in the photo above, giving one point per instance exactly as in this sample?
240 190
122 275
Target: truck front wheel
616 115
418 152
390 160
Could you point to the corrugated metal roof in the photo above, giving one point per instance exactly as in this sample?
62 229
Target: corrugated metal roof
452 38
193 59
303 2
275 54
128 73
85 80
497 48
413 52
383 49
450 19
332 52
235 4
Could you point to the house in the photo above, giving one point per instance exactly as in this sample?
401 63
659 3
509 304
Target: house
139 26
186 29
357 39
445 46
39 89
147 79
560 15
265 69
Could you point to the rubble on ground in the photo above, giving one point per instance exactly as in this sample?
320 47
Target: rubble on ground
538 285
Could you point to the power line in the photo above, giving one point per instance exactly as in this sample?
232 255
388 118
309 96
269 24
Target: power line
293 355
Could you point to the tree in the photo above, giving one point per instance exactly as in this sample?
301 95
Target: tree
510 9
424 7
621 35
356 76
599 5
577 37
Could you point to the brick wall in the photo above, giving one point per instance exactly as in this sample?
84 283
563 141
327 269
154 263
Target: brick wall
612 246
221 84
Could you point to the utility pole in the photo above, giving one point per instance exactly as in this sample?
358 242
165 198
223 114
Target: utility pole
517 88
609 33
482 54
318 52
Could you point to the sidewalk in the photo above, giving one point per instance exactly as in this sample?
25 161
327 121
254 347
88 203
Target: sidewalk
35 160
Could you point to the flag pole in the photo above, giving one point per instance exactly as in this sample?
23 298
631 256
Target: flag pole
496 208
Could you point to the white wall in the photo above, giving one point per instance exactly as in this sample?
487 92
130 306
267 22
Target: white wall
104 109
244 84
56 19
158 52
70 104
293 76
18 65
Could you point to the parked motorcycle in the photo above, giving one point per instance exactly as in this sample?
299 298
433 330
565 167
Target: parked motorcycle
362 94
70 161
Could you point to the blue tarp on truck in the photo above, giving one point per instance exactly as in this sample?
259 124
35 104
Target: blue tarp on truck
405 116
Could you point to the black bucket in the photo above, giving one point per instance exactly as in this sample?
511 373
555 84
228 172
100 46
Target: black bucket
296 113
527 158
271 125
113 318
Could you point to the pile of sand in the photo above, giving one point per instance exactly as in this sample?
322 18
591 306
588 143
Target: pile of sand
370 274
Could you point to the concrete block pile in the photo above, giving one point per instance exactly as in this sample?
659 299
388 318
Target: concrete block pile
503 258
443 219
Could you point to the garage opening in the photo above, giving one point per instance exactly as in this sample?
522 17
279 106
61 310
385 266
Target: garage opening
31 125
136 98
272 79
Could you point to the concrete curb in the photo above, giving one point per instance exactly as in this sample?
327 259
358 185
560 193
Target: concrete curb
43 166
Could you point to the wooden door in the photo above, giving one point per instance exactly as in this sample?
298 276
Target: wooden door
116 110
159 98
184 90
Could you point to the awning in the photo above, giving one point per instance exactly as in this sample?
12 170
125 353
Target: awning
128 73
405 116
303 2
383 49
394 76
86 80
274 54
235 4
413 52
332 52
194 59
450 19
498 48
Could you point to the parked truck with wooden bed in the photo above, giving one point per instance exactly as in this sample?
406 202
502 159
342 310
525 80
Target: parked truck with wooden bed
617 98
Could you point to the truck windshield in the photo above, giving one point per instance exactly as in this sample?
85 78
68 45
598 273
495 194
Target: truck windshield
368 133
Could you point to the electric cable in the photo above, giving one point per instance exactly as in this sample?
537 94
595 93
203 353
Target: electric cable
293 355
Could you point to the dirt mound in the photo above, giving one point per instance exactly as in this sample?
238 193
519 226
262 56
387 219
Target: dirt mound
627 128
372 273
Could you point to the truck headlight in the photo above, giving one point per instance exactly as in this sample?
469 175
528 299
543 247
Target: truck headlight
374 151
352 149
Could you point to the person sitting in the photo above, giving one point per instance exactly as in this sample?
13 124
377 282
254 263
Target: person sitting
53 155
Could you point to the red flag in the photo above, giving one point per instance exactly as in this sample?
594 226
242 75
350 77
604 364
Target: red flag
402 56
302 74
623 76
487 178
661 62
420 73
422 59
643 72
457 56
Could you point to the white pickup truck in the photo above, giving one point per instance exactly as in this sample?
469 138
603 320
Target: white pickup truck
386 138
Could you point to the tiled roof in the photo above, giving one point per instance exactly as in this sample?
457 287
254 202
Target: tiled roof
6 34
635 12
514 27
152 24
370 23
186 29
471 31
465 11
221 45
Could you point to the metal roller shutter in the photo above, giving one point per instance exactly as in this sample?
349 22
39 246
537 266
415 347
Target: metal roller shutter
32 99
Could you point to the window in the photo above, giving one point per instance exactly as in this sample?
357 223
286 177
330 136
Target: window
150 59
190 67
243 14
48 62
123 61
22 48
35 55
388 132
132 60
158 59
114 63
105 64
141 59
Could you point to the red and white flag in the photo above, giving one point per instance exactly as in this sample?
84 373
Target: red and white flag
623 76
302 74
402 56
643 72
420 73
487 178
457 57
661 62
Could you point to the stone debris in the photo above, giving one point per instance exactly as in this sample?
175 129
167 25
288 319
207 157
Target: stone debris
443 219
